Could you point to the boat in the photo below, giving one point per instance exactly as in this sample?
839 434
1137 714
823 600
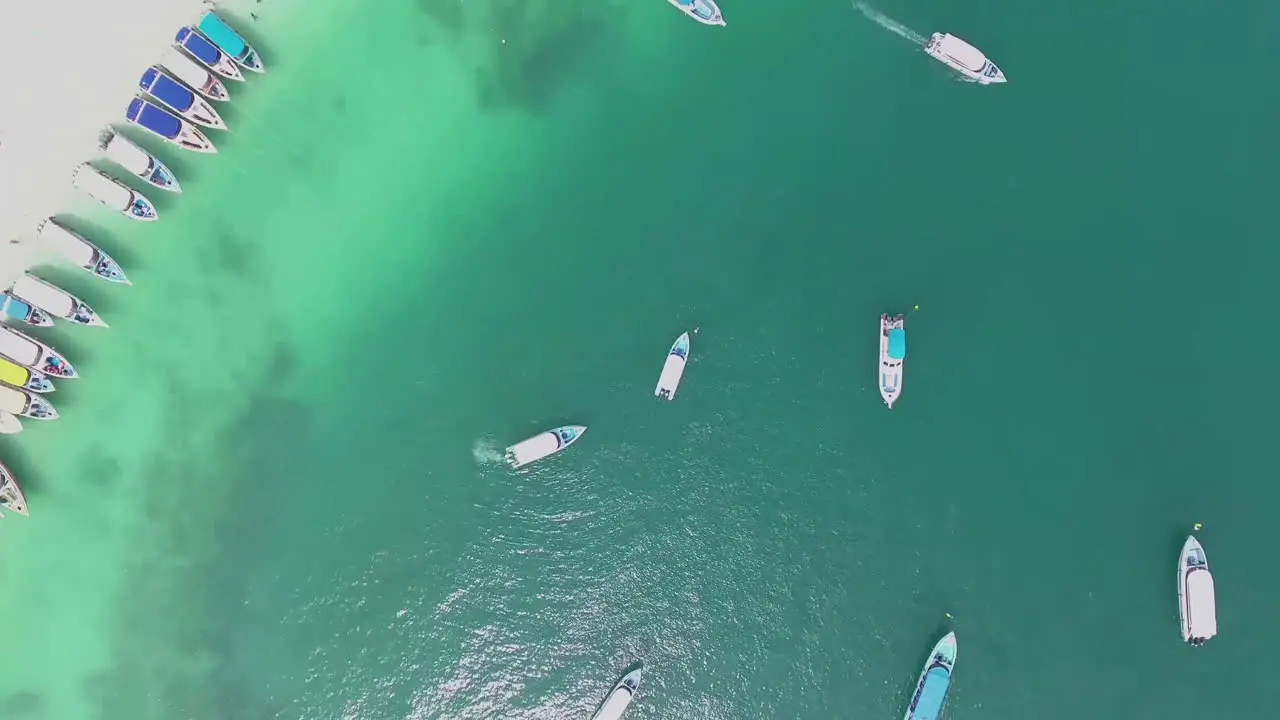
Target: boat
964 59
55 301
893 351
146 114
79 251
195 75
9 425
1196 603
126 154
179 98
21 376
113 193
19 309
229 41
543 444
208 53
704 11
17 401
673 369
11 496
32 353
619 697
934 682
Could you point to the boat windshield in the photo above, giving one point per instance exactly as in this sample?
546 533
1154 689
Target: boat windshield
897 343
929 704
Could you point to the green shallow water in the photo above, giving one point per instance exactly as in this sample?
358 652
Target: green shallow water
277 491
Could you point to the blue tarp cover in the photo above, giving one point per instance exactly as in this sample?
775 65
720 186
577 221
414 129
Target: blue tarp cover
174 95
159 121
897 343
135 107
222 35
936 682
204 51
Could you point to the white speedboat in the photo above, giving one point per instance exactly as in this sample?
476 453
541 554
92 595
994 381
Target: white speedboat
32 353
16 401
893 351
179 98
673 369
1196 603
935 681
9 425
704 11
113 193
125 153
195 75
543 444
11 496
619 697
55 301
964 59
77 249
208 53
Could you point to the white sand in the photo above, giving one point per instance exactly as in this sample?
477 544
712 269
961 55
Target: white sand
70 67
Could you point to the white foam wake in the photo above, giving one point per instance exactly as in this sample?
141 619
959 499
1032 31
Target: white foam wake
486 451
889 23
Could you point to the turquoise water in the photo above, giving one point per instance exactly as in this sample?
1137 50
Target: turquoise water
277 493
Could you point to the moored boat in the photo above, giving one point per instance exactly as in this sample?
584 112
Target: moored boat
893 351
935 680
619 697
208 53
128 155
11 496
229 41
113 193
146 114
17 401
9 425
77 249
179 98
673 368
24 377
964 59
32 353
1197 605
704 11
543 444
55 301
19 309
195 75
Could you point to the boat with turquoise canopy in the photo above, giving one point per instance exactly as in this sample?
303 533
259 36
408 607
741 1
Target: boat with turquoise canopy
704 11
229 41
19 309
934 682
208 53
179 98
893 352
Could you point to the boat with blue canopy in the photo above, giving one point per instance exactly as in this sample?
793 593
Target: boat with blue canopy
195 75
19 309
77 249
935 681
146 114
179 98
30 352
125 153
893 352
206 52
229 41
704 11
55 301
113 193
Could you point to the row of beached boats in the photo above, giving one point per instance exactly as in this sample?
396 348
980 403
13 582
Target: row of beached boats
175 95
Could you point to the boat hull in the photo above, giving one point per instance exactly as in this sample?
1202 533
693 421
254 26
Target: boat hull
964 58
543 444
934 682
23 403
113 193
218 32
195 75
619 697
1197 602
11 495
208 54
141 163
55 301
179 98
9 425
891 368
20 376
77 250
673 368
164 124
703 11
29 352
19 309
